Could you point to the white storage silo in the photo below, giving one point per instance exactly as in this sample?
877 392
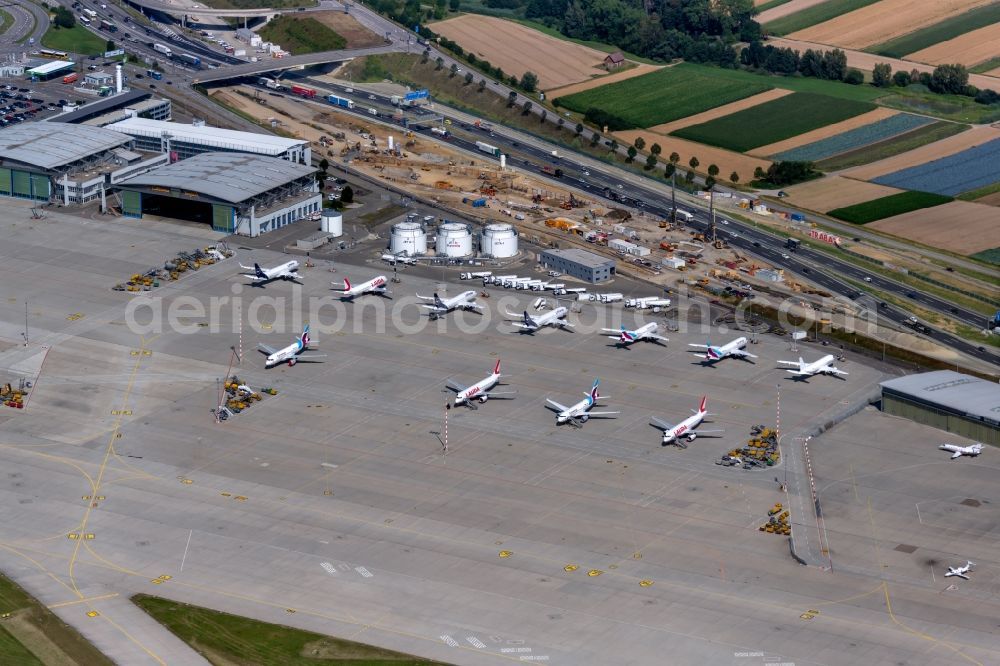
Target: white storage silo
499 240
408 237
332 223
454 239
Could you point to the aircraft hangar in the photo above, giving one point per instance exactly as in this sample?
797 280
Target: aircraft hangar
235 193
948 400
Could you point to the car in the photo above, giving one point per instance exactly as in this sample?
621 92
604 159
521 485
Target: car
806 270
867 279
153 86
620 187
756 244
856 240
954 310
910 294
883 304
586 173
516 144
782 194
982 349
371 96
785 256
139 76
949 269
170 83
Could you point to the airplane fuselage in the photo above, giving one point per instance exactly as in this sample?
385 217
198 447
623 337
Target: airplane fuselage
477 391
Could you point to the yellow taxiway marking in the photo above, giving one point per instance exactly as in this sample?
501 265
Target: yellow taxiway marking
73 602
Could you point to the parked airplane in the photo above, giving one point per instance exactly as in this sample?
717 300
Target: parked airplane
466 301
481 390
578 414
530 324
398 259
374 286
824 366
626 337
734 348
285 271
959 451
961 572
673 434
292 353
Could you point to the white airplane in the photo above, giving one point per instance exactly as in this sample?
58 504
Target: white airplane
961 572
959 451
481 390
626 337
673 434
374 286
285 271
824 366
578 414
734 348
530 324
398 259
466 301
292 353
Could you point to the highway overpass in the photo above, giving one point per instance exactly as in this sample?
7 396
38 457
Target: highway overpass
266 65
166 8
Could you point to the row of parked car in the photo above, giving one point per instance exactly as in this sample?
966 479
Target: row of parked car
16 106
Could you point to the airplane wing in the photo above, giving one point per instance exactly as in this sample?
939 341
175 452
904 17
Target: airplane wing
835 371
561 408
654 336
564 324
698 346
957 454
306 357
426 298
742 354
267 349
660 423
612 330
701 432
432 307
455 386
524 326
602 414
473 305
519 317
499 394
788 362
799 373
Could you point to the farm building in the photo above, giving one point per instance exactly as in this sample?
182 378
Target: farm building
182 141
580 264
243 194
961 404
614 60
66 163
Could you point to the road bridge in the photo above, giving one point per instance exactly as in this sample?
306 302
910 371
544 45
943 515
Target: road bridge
289 62
166 8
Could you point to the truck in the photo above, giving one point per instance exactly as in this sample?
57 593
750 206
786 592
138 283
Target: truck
372 111
483 126
70 78
189 59
108 25
793 243
90 12
475 203
487 148
472 276
153 74
396 99
340 101
552 171
302 91
441 132
162 48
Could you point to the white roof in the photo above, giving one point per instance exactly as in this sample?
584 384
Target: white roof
948 389
52 145
214 137
49 67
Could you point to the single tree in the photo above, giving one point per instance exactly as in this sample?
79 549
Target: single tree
901 79
734 178
560 124
951 79
759 173
64 18
632 152
579 129
882 75
482 85
511 98
713 170
614 146
347 195
693 162
454 70
655 149
640 143
468 78
529 82
425 56
453 5
544 114
324 164
440 63
709 183
689 176
674 158
669 170
595 138
650 162
526 108
854 77
109 45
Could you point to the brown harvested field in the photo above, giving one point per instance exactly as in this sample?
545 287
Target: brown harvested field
517 49
883 21
932 151
866 62
345 25
719 111
969 49
621 75
990 200
993 72
875 115
835 192
960 226
726 160
784 10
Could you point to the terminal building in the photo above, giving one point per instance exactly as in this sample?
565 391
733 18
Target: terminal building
961 404
235 193
107 110
67 163
580 264
182 141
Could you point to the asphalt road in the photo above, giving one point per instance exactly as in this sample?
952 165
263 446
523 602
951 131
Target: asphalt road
30 21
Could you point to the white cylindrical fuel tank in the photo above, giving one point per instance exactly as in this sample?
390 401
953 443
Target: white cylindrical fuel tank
499 240
409 237
454 239
332 223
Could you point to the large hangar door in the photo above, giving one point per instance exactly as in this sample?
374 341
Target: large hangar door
223 218
131 203
177 208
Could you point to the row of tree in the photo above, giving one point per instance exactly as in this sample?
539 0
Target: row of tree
830 65
945 79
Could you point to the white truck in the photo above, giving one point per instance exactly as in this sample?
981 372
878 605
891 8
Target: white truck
160 48
472 276
562 291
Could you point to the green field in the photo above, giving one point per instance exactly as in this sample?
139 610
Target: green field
939 32
663 95
771 4
892 146
961 109
985 66
302 35
989 256
980 192
74 40
226 639
814 15
35 635
773 121
894 204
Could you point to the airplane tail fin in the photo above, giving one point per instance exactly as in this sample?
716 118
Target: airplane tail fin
627 336
712 353
437 300
801 362
528 321
304 338
347 284
496 368
704 404
594 395
259 272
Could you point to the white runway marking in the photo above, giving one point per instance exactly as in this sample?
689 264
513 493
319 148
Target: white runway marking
186 546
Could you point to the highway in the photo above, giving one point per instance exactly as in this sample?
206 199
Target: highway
820 268
30 22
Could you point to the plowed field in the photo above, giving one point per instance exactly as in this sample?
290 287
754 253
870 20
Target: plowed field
960 226
835 192
969 49
922 155
824 132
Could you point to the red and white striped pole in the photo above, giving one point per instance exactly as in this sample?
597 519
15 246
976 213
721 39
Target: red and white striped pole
447 408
